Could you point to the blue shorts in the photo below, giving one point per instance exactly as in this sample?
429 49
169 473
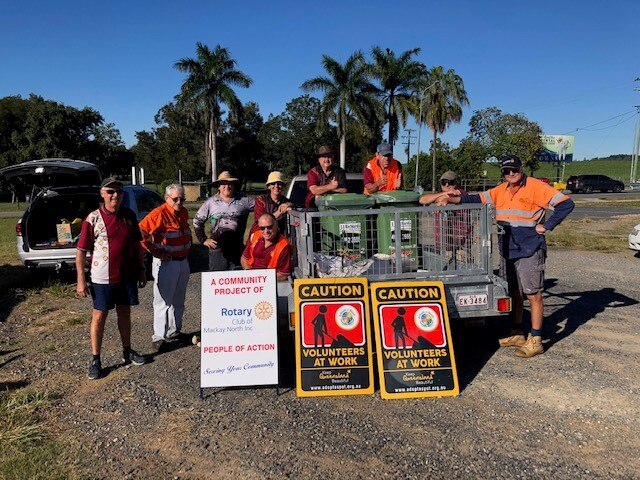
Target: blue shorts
107 295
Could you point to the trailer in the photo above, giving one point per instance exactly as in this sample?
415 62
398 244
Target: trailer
452 244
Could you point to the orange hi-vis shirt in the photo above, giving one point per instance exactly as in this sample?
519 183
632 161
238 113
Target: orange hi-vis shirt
165 231
393 172
525 208
518 214
280 246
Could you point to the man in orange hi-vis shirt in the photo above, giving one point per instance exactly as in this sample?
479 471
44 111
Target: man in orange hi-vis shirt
521 203
267 248
167 236
382 173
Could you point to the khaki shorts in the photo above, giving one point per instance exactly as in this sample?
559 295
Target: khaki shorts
527 273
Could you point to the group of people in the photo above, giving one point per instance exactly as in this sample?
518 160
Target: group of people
117 242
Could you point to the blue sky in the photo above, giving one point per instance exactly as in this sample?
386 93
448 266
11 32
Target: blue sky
565 65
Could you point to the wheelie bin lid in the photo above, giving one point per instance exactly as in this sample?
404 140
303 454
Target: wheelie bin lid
396 196
344 201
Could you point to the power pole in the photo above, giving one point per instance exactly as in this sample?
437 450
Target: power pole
408 144
636 144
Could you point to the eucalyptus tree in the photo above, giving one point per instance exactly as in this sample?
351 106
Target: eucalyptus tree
348 95
400 77
211 76
443 96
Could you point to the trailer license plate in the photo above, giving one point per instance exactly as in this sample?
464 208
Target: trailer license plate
467 300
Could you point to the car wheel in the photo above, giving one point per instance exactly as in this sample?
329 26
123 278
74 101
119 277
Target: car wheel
588 189
617 189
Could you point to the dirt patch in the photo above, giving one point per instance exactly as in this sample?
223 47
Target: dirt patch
558 415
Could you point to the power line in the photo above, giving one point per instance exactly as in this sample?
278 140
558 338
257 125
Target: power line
598 123
612 126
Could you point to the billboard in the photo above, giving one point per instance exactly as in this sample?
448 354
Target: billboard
557 148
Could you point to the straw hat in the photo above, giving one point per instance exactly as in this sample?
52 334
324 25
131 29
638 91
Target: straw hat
274 177
225 177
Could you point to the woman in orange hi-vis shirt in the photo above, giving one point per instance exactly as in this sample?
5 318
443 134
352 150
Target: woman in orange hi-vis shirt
167 236
383 173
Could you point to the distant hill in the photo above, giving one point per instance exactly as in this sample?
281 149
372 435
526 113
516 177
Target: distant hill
619 156
614 166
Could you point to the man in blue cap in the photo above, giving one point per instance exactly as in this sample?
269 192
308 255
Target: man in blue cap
382 173
520 204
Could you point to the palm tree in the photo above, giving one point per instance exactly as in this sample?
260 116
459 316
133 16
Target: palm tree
399 78
210 78
444 96
348 95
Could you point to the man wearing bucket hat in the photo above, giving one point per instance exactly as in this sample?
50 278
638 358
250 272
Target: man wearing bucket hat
450 186
382 173
520 204
227 212
325 178
273 202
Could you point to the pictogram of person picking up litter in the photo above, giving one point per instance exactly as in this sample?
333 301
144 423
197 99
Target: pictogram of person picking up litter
320 326
400 329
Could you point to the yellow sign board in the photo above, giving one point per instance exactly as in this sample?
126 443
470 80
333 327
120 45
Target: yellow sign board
413 340
333 337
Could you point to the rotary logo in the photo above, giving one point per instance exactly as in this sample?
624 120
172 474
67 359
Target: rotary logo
263 310
426 319
347 317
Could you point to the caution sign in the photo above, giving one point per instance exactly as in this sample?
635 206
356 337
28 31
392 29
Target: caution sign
333 339
415 353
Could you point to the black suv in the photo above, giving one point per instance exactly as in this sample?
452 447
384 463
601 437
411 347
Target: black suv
591 183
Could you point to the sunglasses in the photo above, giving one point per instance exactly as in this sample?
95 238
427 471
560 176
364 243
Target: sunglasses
279 185
177 199
444 183
113 191
508 171
265 227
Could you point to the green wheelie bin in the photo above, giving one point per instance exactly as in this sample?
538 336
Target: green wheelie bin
344 235
408 224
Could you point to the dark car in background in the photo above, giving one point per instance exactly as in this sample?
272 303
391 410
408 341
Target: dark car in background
592 183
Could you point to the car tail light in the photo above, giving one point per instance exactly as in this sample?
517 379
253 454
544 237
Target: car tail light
19 229
504 304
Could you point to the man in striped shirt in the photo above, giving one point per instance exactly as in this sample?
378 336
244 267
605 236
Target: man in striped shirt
167 236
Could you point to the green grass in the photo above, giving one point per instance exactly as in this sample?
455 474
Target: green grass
26 450
59 289
13 207
617 169
8 250
590 235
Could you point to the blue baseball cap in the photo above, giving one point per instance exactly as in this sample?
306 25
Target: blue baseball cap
385 149
511 161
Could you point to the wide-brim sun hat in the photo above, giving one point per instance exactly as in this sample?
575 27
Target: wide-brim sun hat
225 177
325 151
274 177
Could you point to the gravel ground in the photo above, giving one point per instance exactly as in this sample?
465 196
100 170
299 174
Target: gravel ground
571 413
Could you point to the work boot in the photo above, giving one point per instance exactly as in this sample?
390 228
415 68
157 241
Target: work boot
531 348
515 339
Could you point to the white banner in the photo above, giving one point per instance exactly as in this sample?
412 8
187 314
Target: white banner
239 328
